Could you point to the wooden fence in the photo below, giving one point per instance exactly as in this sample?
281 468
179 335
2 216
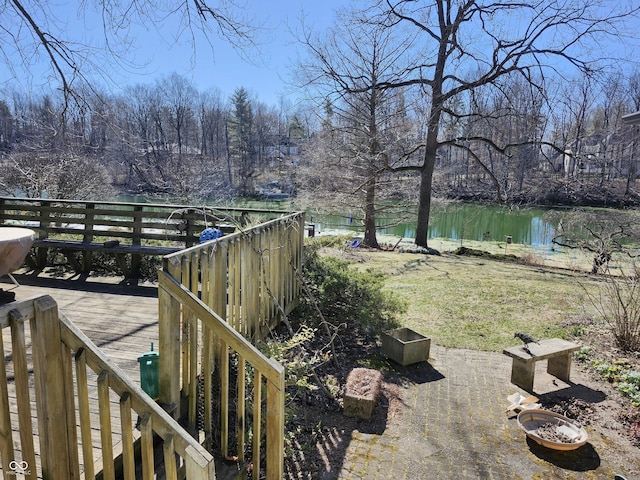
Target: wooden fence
128 231
214 299
77 388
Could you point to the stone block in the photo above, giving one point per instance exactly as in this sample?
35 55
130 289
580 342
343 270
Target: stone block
363 388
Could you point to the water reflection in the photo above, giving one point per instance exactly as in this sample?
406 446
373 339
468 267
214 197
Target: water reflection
528 226
465 222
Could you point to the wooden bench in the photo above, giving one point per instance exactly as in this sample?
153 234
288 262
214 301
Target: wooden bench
556 351
126 230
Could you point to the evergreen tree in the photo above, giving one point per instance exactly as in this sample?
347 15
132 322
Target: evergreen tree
241 147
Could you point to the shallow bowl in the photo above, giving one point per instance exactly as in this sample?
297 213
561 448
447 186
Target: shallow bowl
531 420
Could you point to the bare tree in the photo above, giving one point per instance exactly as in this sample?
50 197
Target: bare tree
213 120
510 116
369 127
179 97
602 234
34 32
62 175
474 44
6 128
632 162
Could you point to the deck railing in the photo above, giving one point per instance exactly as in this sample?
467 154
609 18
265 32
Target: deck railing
214 300
54 370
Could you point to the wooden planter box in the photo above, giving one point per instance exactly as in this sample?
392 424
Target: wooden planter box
404 346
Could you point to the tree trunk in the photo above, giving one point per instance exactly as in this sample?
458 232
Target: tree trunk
424 205
370 239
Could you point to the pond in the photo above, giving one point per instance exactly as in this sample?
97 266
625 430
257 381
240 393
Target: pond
532 226
464 221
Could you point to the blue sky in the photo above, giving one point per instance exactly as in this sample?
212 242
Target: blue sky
158 53
265 73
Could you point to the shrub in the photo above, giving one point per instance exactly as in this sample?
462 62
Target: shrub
346 295
618 303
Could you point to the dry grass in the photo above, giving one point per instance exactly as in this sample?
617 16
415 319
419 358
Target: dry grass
479 303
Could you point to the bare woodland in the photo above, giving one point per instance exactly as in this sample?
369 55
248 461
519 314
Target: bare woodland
405 101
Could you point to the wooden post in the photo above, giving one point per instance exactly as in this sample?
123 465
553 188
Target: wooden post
87 255
197 467
192 320
184 328
207 343
224 399
241 407
134 270
50 390
70 404
45 221
275 428
169 361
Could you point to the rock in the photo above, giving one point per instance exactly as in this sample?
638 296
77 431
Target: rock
363 388
417 249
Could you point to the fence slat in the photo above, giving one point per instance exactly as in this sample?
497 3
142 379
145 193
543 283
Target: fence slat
106 438
257 422
186 319
234 287
84 414
240 432
23 398
224 399
193 367
208 292
255 289
146 430
126 423
170 471
6 437
70 404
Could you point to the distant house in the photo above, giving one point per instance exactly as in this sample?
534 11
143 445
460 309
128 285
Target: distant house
591 154
282 148
632 118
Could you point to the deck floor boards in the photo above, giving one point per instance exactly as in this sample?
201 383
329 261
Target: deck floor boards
121 320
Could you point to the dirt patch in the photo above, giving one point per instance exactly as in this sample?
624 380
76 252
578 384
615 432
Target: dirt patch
573 408
319 432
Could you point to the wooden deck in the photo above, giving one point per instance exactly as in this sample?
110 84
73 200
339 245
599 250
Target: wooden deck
121 320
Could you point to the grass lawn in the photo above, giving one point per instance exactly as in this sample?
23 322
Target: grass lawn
478 303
